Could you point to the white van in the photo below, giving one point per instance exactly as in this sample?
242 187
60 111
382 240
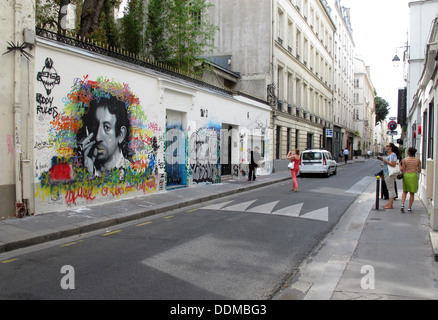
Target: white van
318 161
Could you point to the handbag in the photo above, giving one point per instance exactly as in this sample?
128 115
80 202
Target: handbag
291 165
394 170
400 176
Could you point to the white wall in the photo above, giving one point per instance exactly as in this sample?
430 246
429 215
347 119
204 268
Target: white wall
172 121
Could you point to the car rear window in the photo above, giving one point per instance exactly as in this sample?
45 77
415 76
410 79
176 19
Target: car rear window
312 156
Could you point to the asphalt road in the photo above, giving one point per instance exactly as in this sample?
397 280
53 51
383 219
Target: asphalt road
240 247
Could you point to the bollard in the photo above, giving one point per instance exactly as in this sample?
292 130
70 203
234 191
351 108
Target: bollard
377 192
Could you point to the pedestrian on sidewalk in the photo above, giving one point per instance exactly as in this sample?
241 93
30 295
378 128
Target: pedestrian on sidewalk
295 159
390 161
345 154
254 163
411 167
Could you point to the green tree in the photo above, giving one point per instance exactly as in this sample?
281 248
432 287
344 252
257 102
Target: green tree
190 33
382 108
156 44
132 27
108 25
94 18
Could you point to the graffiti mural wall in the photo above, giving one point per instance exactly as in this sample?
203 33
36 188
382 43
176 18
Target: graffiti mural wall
94 141
105 131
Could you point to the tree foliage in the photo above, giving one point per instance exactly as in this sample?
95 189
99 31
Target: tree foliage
382 108
155 36
173 32
190 34
132 27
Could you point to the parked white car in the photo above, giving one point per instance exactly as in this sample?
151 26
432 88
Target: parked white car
318 161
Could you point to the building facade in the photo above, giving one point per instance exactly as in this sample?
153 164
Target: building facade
343 94
422 121
284 51
364 115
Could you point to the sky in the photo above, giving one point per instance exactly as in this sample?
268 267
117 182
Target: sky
380 27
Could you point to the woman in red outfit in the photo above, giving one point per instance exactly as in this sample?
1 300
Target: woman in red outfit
294 172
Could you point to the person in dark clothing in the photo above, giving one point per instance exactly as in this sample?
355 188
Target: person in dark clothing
254 162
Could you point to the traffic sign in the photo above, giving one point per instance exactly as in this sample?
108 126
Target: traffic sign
392 133
392 125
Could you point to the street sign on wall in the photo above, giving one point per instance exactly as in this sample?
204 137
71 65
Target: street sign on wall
329 133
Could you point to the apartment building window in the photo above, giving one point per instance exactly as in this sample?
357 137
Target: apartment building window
299 5
312 57
298 44
309 141
290 35
305 51
356 114
317 63
305 97
312 101
430 132
306 9
356 82
317 25
356 98
278 143
280 26
312 17
298 93
280 83
290 87
297 139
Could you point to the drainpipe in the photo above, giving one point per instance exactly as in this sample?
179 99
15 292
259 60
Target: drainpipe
20 207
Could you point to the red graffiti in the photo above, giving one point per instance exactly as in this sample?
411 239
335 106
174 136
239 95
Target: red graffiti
61 172
62 122
84 193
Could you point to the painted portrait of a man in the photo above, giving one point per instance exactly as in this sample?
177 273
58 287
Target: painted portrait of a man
103 138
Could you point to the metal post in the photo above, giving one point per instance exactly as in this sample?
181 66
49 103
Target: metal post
377 192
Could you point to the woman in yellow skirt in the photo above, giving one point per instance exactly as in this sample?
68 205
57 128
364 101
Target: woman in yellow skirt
410 167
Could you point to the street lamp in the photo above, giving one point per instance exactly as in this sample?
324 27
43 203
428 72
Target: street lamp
396 61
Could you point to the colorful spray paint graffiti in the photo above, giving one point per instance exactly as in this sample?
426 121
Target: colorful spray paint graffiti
205 154
192 155
104 145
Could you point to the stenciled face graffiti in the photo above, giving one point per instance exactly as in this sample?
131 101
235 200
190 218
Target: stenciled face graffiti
49 78
104 145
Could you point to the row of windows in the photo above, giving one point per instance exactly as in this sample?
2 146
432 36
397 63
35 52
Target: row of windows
295 139
301 95
298 44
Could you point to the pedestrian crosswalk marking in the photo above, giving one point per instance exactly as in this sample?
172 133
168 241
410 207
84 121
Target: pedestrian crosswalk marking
217 206
320 214
240 206
268 208
264 208
292 211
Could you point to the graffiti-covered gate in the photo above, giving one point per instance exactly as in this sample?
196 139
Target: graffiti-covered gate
175 150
